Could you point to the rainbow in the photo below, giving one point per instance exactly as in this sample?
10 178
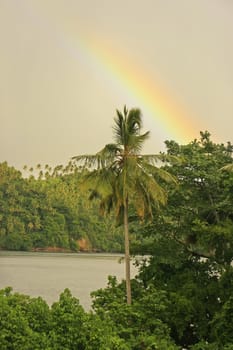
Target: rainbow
169 117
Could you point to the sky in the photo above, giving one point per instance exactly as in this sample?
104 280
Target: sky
67 65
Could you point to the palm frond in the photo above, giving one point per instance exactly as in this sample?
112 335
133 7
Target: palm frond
108 155
165 176
101 159
135 142
99 182
228 167
153 159
134 121
127 129
106 205
157 172
152 188
161 158
118 128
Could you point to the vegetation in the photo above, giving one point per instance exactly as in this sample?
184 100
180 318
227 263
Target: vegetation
182 296
48 212
119 176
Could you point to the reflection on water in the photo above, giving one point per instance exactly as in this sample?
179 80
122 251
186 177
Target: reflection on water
48 274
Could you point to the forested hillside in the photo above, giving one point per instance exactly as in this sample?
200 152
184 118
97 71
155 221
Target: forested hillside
49 211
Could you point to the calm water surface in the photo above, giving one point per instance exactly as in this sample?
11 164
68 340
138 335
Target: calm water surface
48 274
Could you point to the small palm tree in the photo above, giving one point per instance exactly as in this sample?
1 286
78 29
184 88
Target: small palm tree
119 175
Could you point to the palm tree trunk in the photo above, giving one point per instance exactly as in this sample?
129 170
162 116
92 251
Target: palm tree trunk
127 254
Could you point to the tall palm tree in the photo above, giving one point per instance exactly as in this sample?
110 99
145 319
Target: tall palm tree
119 175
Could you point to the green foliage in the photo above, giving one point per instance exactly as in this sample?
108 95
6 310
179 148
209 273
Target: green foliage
182 297
140 323
68 318
222 327
27 323
199 214
36 213
191 247
16 241
23 322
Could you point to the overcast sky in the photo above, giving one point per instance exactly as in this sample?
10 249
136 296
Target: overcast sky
59 91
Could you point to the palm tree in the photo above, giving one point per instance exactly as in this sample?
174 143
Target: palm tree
119 175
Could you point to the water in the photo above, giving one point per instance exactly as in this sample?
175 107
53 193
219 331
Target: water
48 274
